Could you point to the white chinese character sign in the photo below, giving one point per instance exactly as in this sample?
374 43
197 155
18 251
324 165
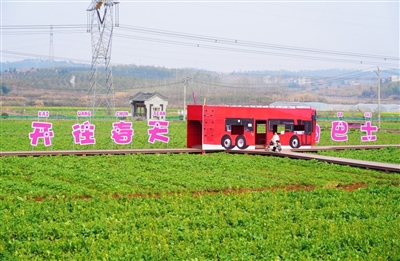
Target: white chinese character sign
368 128
41 130
160 128
339 131
83 133
122 132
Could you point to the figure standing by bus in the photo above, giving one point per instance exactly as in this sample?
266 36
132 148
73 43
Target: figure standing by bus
275 143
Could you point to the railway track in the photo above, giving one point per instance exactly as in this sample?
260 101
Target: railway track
293 154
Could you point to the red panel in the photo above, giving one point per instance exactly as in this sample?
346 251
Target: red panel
194 126
194 112
193 137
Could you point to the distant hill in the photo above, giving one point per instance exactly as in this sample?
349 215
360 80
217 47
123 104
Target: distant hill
326 73
39 63
63 83
161 72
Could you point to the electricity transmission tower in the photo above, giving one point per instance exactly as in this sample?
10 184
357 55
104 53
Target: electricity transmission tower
101 25
51 48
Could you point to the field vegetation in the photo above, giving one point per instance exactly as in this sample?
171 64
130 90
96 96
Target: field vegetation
192 207
195 207
386 155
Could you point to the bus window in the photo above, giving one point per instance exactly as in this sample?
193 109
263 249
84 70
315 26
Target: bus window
237 129
247 125
289 127
261 128
281 129
280 125
273 125
298 127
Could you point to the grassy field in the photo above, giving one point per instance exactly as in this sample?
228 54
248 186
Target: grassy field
386 155
193 207
187 207
322 224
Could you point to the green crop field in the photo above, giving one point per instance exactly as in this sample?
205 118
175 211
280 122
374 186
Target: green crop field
186 207
190 206
386 155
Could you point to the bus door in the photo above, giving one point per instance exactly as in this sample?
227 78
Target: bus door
306 138
261 133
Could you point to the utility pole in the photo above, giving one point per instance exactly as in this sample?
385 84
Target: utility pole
51 48
184 100
379 98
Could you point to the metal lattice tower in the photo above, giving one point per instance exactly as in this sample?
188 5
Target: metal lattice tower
51 48
101 25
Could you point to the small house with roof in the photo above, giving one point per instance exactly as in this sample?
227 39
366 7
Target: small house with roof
148 106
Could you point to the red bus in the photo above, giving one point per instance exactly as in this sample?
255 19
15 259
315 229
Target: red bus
249 127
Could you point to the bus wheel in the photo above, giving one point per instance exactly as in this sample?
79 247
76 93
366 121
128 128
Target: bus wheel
241 142
294 142
226 142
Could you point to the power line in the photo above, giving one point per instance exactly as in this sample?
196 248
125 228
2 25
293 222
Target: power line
159 85
347 73
348 77
241 86
244 43
331 79
220 43
250 51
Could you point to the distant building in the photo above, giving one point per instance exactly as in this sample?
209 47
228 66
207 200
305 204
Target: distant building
148 106
347 82
304 81
394 78
267 79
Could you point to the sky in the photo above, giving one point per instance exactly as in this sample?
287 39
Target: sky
221 36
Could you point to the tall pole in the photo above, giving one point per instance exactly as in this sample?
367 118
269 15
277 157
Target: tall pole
101 25
184 100
51 48
379 98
